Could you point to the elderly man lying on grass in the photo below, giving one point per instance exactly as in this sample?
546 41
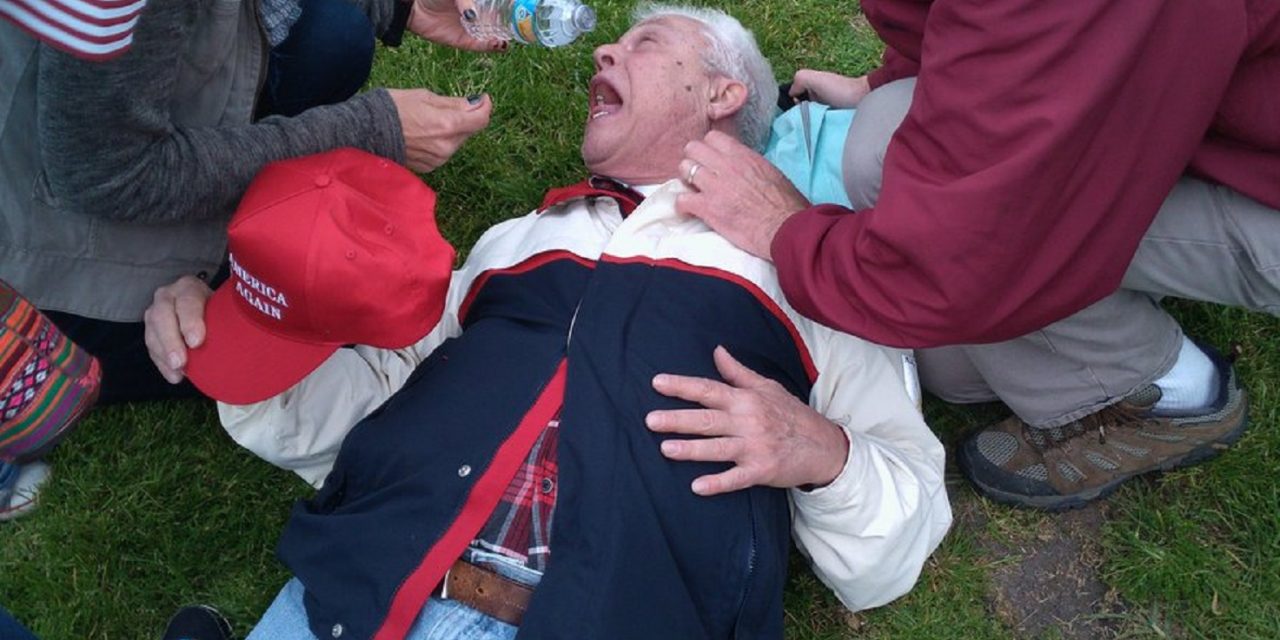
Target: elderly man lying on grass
565 330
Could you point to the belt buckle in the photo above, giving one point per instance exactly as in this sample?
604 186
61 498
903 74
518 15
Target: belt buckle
444 586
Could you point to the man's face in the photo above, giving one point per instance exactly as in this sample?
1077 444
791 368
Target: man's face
648 99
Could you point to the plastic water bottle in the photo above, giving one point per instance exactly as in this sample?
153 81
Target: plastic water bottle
550 23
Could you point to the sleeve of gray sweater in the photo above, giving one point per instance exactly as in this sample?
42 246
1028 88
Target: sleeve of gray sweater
110 148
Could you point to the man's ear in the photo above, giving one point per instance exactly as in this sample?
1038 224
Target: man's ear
727 98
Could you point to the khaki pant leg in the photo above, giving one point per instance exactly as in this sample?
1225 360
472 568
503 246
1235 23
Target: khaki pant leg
949 373
1207 243
878 117
1082 363
1213 244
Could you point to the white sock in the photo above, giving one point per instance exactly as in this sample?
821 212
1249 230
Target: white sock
1191 384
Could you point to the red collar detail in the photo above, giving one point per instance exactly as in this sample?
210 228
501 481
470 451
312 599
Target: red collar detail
595 186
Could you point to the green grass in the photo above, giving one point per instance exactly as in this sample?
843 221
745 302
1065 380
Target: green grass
1202 545
152 507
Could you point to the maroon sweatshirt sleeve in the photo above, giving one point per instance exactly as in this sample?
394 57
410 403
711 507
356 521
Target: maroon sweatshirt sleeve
895 67
900 24
1042 139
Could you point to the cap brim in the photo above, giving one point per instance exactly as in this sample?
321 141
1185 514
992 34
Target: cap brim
242 363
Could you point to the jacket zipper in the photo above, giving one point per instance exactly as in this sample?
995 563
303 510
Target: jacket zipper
573 322
751 571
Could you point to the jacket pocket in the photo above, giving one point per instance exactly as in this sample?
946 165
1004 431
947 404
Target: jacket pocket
179 246
47 229
53 230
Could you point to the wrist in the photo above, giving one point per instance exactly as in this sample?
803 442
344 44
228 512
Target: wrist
836 448
419 18
772 227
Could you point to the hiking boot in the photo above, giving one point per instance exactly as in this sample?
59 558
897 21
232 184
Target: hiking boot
19 486
1068 466
197 622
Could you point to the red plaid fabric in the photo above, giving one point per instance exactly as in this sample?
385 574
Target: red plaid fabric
520 526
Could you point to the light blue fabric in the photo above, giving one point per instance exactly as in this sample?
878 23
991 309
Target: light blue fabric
286 619
812 162
8 479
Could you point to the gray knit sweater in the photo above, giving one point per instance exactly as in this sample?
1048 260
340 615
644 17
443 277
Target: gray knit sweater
111 150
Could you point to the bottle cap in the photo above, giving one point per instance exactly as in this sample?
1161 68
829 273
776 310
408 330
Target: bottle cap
584 18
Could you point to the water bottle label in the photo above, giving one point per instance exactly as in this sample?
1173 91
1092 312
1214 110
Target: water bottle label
522 13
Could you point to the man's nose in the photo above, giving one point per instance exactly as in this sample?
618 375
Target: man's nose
604 56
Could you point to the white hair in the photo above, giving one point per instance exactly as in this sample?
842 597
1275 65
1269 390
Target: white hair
733 53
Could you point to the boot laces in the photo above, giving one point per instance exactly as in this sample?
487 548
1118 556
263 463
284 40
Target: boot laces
1108 418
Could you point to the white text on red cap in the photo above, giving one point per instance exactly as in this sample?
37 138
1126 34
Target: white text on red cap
247 284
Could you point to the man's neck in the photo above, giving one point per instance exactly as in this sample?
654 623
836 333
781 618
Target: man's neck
637 183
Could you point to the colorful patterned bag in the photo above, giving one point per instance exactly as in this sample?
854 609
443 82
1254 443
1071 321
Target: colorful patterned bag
47 383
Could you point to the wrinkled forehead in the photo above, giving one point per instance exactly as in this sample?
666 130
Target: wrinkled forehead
680 29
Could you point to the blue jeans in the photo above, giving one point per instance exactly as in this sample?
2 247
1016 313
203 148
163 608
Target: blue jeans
286 618
11 630
325 59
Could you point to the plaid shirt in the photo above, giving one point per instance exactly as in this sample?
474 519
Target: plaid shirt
520 526
278 17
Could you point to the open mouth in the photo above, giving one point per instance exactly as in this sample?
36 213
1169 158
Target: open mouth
605 100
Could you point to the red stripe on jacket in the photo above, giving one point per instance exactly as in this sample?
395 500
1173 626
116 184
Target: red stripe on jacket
480 503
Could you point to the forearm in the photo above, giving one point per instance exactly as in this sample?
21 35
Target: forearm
303 428
166 174
111 146
1017 188
869 533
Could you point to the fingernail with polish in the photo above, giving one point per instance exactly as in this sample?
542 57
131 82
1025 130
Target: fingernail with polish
474 99
469 15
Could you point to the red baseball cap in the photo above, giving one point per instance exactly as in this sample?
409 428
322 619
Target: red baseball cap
327 250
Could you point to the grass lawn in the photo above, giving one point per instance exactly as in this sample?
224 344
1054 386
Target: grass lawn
152 507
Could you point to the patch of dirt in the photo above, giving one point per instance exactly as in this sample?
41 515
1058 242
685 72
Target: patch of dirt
1044 578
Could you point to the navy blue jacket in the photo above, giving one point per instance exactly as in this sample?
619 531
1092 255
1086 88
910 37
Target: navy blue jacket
635 553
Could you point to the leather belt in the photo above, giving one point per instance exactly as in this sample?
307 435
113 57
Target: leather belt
487 592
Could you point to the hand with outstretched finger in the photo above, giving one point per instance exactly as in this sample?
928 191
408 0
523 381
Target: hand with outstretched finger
771 438
436 126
